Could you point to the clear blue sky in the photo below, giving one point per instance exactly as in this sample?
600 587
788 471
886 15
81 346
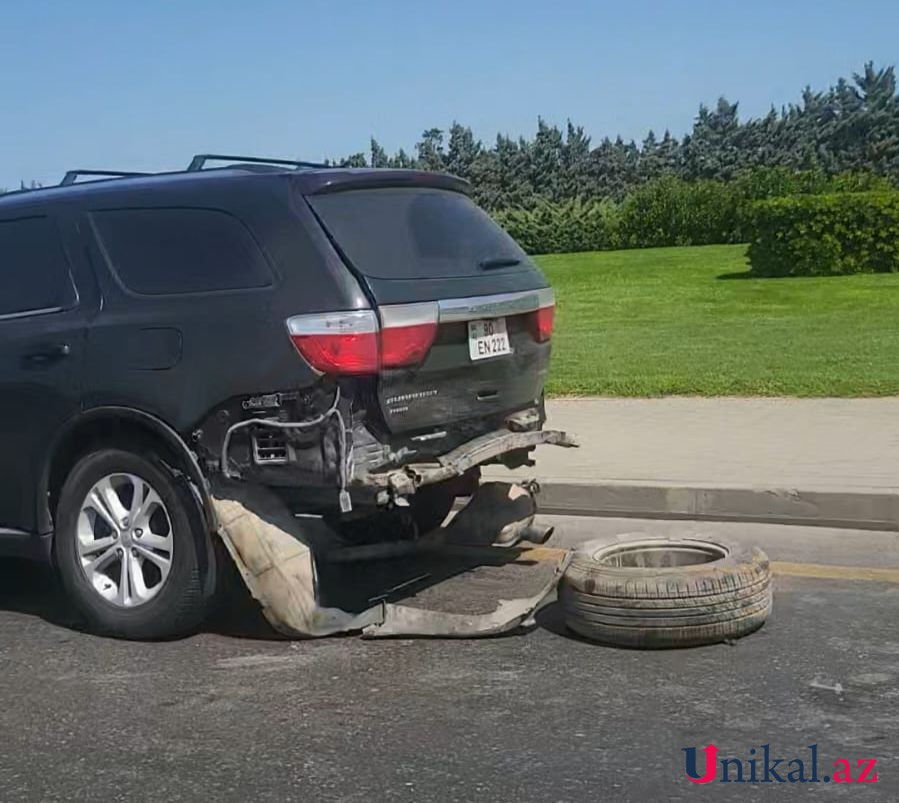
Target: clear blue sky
143 85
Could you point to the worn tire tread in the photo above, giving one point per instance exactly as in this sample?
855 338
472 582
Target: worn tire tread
667 607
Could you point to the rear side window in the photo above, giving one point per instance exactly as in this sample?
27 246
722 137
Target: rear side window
406 233
174 251
34 273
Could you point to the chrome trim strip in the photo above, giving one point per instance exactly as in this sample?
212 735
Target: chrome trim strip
11 532
494 306
14 316
357 322
444 311
396 315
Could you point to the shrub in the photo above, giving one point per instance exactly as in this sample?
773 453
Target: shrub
822 235
671 211
762 183
574 225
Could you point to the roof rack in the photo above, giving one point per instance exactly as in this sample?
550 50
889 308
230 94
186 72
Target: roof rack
199 161
73 175
196 164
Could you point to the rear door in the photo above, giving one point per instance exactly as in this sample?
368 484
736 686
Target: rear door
42 321
432 257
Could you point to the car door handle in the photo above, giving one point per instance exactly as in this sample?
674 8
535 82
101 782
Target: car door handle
47 355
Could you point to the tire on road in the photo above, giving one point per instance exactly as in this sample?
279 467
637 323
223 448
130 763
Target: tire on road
634 590
178 602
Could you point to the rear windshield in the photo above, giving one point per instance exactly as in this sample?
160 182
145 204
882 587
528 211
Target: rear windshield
416 233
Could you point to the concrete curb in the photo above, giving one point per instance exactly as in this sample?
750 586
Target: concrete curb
861 509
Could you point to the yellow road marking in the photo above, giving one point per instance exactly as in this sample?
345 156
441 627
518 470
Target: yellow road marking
824 571
821 571
541 553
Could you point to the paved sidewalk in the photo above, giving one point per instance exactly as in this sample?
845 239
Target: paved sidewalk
796 443
824 449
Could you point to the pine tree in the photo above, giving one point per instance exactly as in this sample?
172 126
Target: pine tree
575 180
401 160
546 161
712 151
354 160
378 154
462 152
430 151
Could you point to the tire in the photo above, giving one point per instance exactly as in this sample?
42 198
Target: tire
177 603
634 590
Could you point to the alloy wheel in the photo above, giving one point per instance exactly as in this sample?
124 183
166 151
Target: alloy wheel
125 540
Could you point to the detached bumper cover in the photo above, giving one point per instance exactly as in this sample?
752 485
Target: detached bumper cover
405 480
302 576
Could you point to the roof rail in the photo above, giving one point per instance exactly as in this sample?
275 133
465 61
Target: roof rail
72 176
199 161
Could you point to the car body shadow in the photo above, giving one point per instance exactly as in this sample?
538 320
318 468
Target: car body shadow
551 618
31 588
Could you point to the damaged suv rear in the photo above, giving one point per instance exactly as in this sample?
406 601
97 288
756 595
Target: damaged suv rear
360 341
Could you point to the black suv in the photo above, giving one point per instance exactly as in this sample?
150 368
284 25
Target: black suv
360 340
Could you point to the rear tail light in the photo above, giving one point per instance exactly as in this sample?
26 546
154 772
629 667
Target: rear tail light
541 320
407 332
355 343
337 342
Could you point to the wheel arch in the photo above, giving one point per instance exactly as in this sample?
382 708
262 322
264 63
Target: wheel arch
117 426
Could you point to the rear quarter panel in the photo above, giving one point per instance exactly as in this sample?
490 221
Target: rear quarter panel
179 356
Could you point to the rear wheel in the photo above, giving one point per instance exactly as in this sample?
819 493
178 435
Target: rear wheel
127 547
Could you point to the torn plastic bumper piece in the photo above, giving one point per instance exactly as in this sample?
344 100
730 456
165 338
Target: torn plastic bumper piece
275 553
275 559
405 480
510 614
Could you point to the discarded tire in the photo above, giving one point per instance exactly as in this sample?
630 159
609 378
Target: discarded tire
633 590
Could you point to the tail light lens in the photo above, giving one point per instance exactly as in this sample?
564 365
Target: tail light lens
355 343
337 342
407 333
543 317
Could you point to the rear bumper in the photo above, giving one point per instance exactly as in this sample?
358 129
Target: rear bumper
487 448
319 470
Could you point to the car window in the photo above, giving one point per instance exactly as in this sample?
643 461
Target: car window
175 251
34 272
404 233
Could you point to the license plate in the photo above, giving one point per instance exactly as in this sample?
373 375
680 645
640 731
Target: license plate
488 338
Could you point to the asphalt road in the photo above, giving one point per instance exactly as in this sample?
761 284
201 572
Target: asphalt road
235 715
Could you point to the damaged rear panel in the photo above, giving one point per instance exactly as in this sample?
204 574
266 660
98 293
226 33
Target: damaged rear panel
444 275
444 341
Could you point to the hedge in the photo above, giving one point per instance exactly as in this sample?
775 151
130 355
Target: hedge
547 228
824 235
668 211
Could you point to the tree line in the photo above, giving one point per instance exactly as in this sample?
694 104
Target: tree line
851 127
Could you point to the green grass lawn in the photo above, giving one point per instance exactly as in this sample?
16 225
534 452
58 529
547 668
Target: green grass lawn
688 321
